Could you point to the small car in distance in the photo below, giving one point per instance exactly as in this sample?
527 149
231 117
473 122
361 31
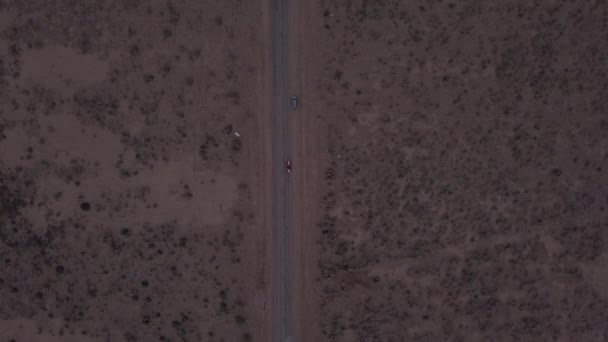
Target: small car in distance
294 102
288 166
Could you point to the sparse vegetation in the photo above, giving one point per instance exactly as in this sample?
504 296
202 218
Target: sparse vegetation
118 176
446 203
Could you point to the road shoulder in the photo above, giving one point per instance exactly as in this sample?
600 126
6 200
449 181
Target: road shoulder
309 148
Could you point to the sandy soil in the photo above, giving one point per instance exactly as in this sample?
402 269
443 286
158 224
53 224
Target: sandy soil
464 189
450 179
132 173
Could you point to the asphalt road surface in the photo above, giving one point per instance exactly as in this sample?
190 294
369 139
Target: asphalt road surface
281 195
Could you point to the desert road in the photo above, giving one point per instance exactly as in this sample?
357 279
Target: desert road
282 278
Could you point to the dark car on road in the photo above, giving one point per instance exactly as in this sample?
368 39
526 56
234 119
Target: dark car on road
288 166
294 102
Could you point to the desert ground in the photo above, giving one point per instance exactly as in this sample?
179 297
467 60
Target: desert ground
450 171
462 187
132 200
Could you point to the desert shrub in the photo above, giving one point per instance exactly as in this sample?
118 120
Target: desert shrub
236 145
239 319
